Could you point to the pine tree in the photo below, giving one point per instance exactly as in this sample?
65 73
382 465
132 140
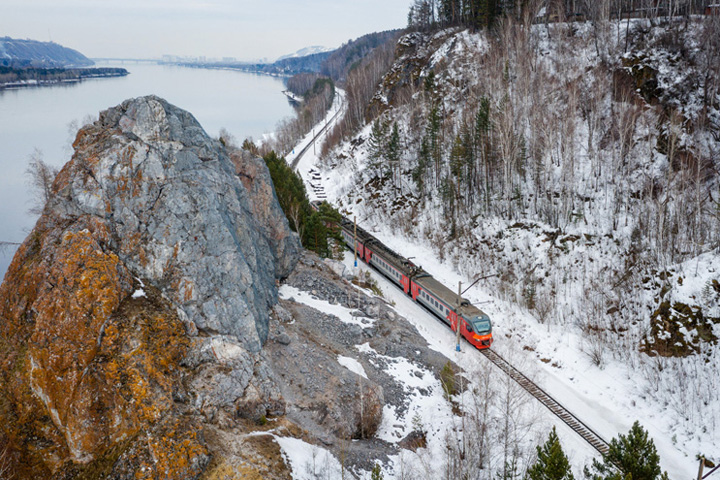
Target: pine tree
377 143
314 227
482 141
376 473
552 464
432 132
630 457
393 151
418 173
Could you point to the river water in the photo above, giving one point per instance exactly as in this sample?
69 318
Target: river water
246 105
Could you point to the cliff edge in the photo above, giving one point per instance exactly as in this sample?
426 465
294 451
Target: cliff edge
140 301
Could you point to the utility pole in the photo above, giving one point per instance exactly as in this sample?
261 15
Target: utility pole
704 462
457 318
355 237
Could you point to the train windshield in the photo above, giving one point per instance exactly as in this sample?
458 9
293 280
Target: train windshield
482 325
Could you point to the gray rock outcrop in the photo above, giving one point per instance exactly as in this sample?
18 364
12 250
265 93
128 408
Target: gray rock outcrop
132 320
180 217
132 317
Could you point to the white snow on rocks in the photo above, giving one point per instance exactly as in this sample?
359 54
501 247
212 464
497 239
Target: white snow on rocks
352 365
345 315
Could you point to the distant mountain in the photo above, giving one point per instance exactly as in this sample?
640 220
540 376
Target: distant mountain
287 66
306 63
342 60
304 52
18 53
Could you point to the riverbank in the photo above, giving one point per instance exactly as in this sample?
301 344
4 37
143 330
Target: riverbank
11 78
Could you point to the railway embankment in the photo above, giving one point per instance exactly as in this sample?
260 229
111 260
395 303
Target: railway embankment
332 347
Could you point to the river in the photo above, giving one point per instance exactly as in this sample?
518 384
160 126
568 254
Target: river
245 104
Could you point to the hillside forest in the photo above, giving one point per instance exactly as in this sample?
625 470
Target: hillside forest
572 149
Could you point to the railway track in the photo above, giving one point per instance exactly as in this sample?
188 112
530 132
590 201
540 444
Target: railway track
327 125
585 432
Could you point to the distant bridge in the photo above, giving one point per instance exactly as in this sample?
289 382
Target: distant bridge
125 60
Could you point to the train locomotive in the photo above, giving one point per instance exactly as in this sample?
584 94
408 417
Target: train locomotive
475 325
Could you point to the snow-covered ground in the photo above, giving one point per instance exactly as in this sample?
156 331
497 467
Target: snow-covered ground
607 398
309 159
608 395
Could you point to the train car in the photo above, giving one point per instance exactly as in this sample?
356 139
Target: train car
394 266
475 325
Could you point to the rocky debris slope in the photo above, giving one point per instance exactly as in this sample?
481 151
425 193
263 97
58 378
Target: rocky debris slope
331 402
138 305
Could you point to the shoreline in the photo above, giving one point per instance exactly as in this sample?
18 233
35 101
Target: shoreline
75 77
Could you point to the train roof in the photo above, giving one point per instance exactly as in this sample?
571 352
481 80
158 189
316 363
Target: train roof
420 276
376 246
449 297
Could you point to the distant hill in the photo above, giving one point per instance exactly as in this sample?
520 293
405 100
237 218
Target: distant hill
341 61
288 66
304 52
332 63
18 53
293 65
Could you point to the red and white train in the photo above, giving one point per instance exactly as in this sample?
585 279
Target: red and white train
475 325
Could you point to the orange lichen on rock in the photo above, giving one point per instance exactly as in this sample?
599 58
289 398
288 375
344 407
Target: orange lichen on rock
93 366
175 452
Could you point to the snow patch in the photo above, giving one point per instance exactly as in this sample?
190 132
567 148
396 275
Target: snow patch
345 314
352 365
308 462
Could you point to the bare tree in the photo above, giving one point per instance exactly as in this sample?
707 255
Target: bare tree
41 176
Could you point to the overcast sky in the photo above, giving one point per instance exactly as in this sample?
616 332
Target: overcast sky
245 29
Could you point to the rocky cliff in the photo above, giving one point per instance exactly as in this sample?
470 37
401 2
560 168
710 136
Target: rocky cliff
142 334
151 260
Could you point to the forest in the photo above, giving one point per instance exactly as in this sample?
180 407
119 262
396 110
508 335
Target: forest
13 75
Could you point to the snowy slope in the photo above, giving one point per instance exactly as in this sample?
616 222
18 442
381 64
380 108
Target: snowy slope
304 52
566 311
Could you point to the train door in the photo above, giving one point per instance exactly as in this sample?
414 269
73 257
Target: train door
406 284
452 319
414 290
368 255
360 250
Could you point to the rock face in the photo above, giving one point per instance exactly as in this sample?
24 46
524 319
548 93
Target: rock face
179 217
139 302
